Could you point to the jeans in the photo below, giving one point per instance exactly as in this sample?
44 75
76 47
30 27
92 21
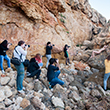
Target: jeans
56 80
48 58
35 73
40 64
20 76
106 76
1 61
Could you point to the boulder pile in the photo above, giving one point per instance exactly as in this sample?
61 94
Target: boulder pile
78 93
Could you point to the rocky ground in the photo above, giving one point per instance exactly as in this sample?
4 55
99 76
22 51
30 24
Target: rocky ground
78 93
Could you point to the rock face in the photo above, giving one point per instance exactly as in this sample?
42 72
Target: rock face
39 21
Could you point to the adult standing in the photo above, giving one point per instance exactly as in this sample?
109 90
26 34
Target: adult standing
107 71
20 52
66 47
48 52
4 46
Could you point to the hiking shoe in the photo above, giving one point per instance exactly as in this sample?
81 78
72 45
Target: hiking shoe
21 92
36 80
3 71
24 88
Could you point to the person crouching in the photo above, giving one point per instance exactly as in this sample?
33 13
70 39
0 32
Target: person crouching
53 73
34 68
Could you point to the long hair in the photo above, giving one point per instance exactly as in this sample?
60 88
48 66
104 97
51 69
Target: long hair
4 43
108 58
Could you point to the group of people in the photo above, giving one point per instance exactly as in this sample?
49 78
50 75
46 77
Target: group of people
35 64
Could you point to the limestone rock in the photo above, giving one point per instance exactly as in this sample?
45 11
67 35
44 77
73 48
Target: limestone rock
8 102
2 106
37 103
4 80
2 95
57 102
25 103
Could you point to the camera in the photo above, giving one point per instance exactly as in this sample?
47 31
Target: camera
26 45
53 45
10 43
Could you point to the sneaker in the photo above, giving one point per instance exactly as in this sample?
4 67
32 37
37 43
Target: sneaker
21 92
24 88
36 80
3 71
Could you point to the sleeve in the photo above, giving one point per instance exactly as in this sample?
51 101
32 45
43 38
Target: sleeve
55 68
36 65
50 47
22 51
3 48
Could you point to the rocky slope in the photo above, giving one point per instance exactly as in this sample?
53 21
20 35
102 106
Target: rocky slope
76 94
39 21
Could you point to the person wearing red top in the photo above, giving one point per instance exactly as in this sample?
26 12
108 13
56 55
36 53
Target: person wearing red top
38 59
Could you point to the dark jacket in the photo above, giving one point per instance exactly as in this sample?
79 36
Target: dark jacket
65 53
3 47
51 72
33 65
48 50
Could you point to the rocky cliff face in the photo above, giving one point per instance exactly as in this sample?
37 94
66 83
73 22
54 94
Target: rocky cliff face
39 21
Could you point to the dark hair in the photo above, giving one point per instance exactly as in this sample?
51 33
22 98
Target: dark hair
4 43
108 58
48 43
52 60
21 42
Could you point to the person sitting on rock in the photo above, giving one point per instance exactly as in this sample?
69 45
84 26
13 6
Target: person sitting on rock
4 46
38 59
66 47
107 71
99 51
53 73
34 68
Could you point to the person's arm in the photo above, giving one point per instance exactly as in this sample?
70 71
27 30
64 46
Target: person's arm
36 65
3 48
50 47
22 51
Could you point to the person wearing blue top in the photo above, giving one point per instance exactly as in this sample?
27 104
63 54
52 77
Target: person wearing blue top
48 52
53 73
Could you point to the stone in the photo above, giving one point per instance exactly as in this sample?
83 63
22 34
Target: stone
4 80
57 102
37 103
30 107
95 93
2 106
8 102
12 83
2 95
25 103
37 86
7 91
74 95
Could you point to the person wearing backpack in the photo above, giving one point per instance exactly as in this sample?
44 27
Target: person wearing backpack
20 52
4 46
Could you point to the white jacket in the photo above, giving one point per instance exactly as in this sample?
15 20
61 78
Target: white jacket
20 51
